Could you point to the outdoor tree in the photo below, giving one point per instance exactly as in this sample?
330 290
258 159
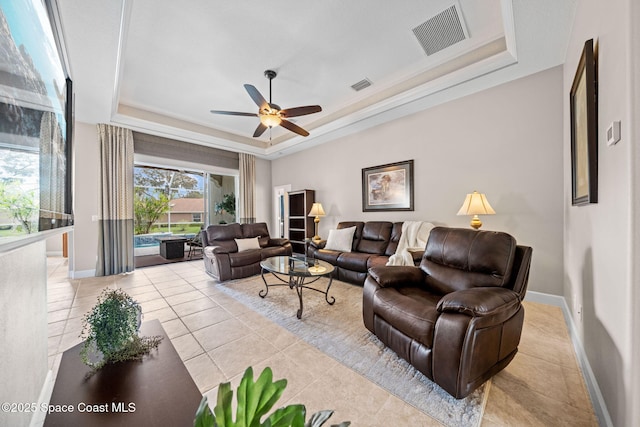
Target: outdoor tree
22 205
147 210
165 181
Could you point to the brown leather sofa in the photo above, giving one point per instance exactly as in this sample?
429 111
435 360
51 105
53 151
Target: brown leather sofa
373 243
457 317
223 261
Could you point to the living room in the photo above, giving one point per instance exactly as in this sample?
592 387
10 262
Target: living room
510 139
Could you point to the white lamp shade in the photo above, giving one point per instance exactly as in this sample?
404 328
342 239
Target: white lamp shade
476 204
316 210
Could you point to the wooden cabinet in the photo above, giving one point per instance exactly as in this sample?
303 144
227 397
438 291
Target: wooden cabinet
301 225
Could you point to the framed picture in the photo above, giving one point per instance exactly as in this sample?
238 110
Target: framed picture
388 187
584 130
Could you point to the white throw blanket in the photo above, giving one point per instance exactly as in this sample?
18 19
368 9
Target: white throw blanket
414 238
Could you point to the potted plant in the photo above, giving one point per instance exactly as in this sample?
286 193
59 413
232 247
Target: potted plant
110 330
255 399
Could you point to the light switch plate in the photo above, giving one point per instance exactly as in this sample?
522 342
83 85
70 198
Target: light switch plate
613 133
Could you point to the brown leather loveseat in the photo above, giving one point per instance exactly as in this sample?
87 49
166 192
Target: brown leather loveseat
224 261
457 317
373 243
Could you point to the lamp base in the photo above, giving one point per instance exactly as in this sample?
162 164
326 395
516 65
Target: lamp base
475 222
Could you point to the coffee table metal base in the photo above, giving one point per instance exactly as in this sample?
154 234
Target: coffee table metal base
297 282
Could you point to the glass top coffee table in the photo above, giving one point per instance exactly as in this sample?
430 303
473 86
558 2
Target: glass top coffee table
297 273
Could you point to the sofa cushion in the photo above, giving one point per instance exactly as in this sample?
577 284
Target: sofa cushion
354 261
223 232
247 244
457 259
377 261
359 225
340 240
409 309
259 230
329 256
375 237
396 232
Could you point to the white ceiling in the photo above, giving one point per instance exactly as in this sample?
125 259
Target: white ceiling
159 66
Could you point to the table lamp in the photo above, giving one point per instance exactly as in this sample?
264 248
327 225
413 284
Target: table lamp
476 204
317 212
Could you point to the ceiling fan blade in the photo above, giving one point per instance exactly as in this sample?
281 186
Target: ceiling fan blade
234 113
259 130
257 97
300 111
293 128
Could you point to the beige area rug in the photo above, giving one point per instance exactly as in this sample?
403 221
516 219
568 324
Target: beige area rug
338 331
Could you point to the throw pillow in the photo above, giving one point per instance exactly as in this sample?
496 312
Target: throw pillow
340 240
247 244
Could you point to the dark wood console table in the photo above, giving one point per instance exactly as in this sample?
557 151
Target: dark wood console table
157 391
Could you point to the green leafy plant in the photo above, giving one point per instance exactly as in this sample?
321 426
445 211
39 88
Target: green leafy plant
228 205
111 328
255 399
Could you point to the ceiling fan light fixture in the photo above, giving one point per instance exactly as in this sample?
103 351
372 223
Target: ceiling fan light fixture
270 119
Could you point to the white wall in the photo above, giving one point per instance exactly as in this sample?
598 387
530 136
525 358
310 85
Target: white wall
84 246
505 141
597 237
23 328
264 193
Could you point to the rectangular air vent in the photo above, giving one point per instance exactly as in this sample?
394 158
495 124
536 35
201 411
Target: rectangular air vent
361 84
441 31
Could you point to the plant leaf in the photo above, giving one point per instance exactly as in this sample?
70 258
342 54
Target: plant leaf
222 411
292 415
204 416
319 418
256 399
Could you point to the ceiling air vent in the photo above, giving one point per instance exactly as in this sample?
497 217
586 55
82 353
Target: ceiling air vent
361 84
441 31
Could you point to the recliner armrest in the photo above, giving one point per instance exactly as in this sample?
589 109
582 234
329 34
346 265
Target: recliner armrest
216 250
277 241
389 276
479 302
318 244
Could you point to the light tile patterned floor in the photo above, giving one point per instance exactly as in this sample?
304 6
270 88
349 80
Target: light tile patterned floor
217 338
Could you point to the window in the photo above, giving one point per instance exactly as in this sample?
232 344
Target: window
35 124
176 202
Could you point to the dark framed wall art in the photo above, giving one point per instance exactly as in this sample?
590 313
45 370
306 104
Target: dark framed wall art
388 187
584 130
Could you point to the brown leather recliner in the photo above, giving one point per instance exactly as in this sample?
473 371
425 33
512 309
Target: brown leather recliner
223 261
457 318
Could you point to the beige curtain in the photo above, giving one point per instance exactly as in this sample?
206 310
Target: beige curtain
115 239
247 197
52 168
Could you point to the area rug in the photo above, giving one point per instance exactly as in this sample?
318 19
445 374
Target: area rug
338 331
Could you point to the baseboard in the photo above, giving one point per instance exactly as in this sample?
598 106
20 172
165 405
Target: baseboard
38 417
82 274
599 405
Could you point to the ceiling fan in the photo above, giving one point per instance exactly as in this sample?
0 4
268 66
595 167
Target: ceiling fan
270 114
